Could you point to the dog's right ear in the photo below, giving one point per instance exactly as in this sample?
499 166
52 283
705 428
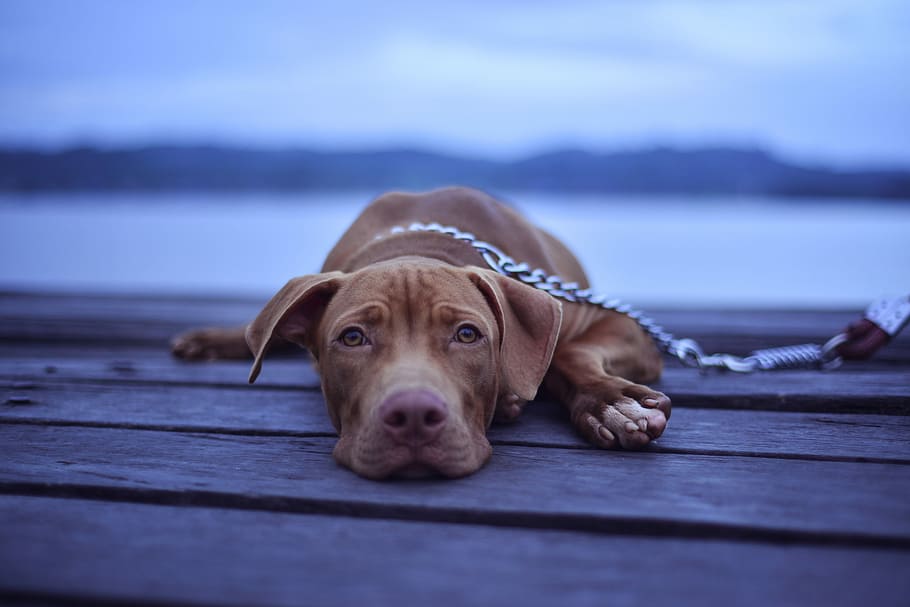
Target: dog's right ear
291 314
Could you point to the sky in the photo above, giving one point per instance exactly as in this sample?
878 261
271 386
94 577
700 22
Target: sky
817 80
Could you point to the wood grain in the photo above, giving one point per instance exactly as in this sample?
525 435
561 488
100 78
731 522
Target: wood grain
882 389
127 477
78 549
595 490
301 412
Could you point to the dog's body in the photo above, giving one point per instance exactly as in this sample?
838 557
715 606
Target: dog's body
418 344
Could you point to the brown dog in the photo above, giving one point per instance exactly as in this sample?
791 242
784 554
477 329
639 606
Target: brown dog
418 345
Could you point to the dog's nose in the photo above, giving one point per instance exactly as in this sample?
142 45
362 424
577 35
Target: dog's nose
413 417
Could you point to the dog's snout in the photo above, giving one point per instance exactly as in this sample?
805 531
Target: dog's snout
413 417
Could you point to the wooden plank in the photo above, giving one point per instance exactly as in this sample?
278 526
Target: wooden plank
187 408
884 390
844 390
153 320
114 319
144 364
77 549
251 410
643 493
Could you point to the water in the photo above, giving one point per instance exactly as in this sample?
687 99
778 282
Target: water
731 252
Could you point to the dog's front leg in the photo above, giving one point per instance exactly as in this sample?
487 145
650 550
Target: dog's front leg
594 374
212 344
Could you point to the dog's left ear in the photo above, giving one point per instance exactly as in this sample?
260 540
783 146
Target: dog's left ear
529 321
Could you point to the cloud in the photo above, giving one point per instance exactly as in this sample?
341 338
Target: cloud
815 78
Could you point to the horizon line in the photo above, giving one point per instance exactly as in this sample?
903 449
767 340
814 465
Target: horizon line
139 144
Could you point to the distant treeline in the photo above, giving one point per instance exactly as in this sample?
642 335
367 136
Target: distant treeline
653 171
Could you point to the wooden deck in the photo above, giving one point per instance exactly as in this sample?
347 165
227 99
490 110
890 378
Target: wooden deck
128 477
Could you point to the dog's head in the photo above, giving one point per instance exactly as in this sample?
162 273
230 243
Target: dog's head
413 355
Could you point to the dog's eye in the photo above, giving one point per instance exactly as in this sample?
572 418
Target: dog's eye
467 334
353 338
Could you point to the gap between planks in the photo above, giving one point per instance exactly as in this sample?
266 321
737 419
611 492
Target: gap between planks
621 526
243 557
802 500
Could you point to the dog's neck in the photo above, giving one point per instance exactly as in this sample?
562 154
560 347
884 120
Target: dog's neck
440 247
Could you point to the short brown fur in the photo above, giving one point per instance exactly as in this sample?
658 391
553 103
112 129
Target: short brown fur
408 294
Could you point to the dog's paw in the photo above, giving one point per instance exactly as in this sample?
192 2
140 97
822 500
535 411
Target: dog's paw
210 344
630 418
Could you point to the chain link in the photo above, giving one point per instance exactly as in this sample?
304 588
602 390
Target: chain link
803 356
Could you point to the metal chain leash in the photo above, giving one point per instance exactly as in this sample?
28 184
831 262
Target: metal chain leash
688 351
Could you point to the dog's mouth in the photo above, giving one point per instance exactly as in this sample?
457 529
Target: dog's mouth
452 456
416 470
414 463
421 462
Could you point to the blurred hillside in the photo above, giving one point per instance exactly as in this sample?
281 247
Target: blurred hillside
710 171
